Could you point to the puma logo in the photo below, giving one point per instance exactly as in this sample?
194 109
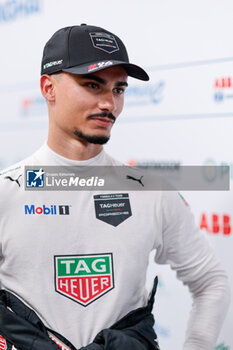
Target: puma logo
16 180
134 178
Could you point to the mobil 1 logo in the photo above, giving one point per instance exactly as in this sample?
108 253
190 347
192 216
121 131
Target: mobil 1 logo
112 208
84 278
31 209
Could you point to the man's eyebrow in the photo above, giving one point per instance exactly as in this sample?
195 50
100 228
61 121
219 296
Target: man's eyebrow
122 83
101 80
95 78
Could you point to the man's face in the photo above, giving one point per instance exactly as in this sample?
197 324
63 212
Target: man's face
86 106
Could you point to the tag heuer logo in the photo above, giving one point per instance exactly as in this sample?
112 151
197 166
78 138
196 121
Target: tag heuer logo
104 42
84 278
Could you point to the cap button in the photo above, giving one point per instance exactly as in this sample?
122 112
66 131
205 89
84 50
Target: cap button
83 24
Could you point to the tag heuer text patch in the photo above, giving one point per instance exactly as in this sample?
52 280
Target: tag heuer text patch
104 41
84 278
112 208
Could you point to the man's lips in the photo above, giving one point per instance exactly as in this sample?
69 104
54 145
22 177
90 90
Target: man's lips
102 121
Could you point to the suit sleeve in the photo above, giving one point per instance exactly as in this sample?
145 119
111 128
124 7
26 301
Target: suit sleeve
182 245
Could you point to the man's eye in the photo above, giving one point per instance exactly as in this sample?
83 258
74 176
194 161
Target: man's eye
119 90
92 85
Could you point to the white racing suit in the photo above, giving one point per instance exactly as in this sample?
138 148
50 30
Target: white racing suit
79 259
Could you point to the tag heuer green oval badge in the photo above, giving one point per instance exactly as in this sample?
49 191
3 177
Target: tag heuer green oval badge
84 278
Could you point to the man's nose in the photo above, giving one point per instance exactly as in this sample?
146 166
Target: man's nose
107 102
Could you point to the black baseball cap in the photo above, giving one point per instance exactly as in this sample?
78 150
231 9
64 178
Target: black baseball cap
86 49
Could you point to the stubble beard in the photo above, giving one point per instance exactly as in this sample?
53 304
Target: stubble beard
97 140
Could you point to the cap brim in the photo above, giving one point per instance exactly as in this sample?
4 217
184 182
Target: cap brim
131 69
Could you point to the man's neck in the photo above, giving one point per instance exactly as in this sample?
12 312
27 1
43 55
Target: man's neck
74 149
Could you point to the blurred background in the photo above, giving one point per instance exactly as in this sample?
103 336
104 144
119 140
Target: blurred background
182 116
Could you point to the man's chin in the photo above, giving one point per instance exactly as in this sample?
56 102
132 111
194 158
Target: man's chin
95 139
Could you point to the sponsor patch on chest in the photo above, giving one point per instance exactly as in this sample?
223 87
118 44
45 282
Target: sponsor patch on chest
112 208
84 278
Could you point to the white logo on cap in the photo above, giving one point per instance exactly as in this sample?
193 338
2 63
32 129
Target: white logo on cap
53 63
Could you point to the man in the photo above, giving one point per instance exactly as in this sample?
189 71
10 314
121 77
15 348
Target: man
78 265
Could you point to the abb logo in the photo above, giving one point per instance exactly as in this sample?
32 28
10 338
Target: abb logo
222 83
216 223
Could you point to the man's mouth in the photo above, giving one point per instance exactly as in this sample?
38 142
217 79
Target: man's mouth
103 119
105 122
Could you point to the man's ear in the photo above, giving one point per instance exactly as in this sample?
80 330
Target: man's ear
47 87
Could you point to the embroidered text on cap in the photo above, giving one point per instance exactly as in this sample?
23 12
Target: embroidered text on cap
104 41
